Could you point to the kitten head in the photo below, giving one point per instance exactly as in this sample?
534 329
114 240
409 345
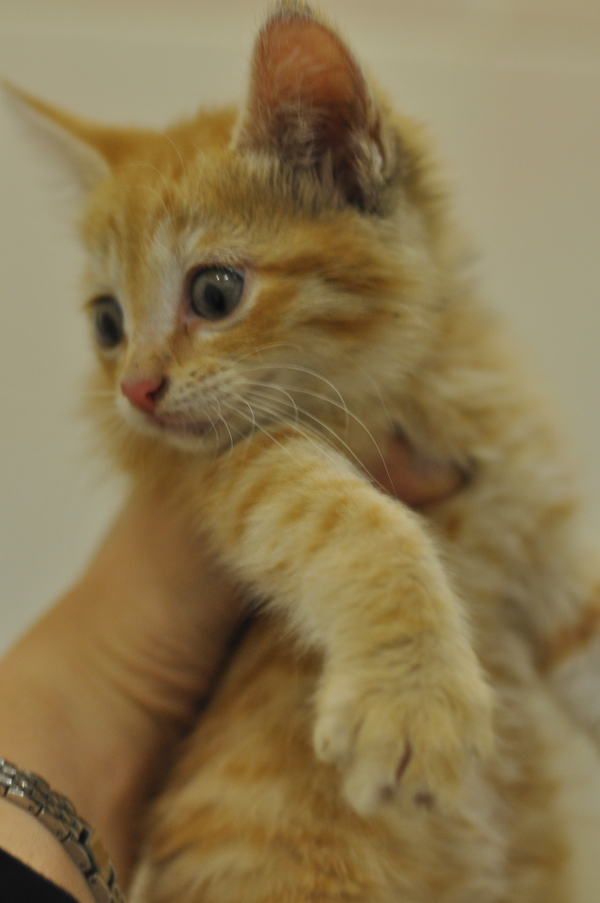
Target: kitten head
247 269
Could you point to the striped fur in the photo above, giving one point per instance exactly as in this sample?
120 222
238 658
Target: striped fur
376 737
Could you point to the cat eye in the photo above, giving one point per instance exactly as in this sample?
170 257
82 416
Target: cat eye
108 322
215 292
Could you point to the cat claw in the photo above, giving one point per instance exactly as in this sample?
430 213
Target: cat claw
399 746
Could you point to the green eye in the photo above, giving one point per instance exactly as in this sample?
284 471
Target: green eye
108 322
215 292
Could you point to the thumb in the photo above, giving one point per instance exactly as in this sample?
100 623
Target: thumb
414 479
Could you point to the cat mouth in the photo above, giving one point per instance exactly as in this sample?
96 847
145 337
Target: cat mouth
225 434
181 427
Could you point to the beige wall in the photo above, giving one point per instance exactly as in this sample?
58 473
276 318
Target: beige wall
511 88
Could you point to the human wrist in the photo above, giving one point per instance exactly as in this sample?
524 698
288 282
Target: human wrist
40 732
82 844
97 694
27 840
43 732
63 715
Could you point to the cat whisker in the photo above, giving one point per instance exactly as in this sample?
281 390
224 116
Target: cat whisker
357 420
322 425
283 417
138 164
347 412
255 424
215 398
178 152
261 428
248 405
318 395
241 433
267 347
300 369
160 198
259 385
185 421
153 190
379 393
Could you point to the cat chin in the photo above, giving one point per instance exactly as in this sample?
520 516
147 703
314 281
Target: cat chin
195 439
190 438
190 443
200 438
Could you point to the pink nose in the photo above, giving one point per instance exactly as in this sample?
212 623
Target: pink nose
143 393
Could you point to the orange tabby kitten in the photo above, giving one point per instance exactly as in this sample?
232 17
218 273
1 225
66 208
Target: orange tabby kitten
273 294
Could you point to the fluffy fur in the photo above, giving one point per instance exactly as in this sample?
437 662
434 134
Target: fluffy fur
375 738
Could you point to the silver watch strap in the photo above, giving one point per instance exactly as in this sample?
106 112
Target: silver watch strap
31 793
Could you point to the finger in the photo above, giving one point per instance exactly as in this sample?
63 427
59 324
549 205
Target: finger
412 478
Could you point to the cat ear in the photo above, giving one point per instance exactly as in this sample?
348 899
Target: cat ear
310 103
73 143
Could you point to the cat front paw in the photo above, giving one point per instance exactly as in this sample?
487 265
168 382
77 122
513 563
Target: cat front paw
409 732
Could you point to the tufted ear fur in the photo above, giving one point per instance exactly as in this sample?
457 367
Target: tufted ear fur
81 150
310 104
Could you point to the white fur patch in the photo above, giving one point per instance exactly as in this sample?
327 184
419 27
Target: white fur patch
576 681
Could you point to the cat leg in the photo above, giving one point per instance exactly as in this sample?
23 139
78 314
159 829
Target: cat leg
249 815
402 701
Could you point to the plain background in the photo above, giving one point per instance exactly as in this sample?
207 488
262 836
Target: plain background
511 91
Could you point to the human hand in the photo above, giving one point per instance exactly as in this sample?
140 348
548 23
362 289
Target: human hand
96 695
414 479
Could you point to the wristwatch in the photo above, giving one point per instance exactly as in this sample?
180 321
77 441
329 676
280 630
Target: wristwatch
30 792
